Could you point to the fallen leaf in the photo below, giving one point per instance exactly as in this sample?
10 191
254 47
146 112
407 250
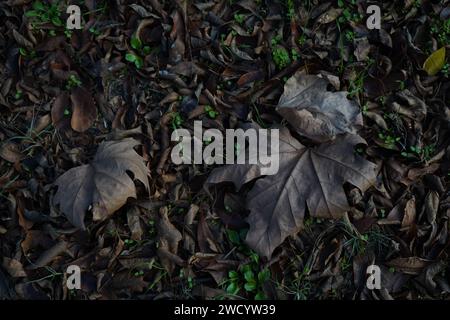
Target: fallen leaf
103 183
435 62
310 178
168 239
47 256
60 107
14 267
329 16
410 213
134 223
84 111
315 112
409 265
10 151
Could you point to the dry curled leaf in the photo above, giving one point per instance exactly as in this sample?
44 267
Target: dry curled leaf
315 112
310 178
104 183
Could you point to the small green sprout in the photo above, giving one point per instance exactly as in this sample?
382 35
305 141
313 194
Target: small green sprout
349 35
138 62
27 54
43 13
302 39
291 9
423 154
388 140
94 31
445 70
73 82
239 18
142 50
177 121
276 40
18 95
295 55
211 112
281 57
129 242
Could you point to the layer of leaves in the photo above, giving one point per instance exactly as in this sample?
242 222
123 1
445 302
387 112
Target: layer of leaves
104 183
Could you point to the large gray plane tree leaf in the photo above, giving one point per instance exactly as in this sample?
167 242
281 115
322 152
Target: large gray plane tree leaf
104 183
314 111
310 178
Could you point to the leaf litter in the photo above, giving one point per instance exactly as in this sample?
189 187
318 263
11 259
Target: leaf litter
86 176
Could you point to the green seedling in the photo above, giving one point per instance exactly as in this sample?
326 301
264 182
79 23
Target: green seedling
349 12
177 121
139 273
295 55
73 82
276 40
94 31
211 112
302 40
445 70
129 242
239 18
141 50
247 280
138 62
43 13
389 141
349 35
422 154
152 227
18 95
441 30
281 57
291 9
27 54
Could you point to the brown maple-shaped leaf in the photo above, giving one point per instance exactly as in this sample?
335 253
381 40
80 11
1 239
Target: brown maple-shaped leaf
315 112
104 183
310 178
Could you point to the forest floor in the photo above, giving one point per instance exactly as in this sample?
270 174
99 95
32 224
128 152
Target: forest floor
87 178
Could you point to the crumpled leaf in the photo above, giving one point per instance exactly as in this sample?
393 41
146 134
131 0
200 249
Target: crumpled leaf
435 62
104 183
310 178
315 112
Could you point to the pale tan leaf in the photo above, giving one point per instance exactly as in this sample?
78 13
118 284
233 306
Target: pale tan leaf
104 183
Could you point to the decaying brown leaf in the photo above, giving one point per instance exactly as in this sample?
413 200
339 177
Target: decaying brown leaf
315 112
168 239
83 107
310 178
104 183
